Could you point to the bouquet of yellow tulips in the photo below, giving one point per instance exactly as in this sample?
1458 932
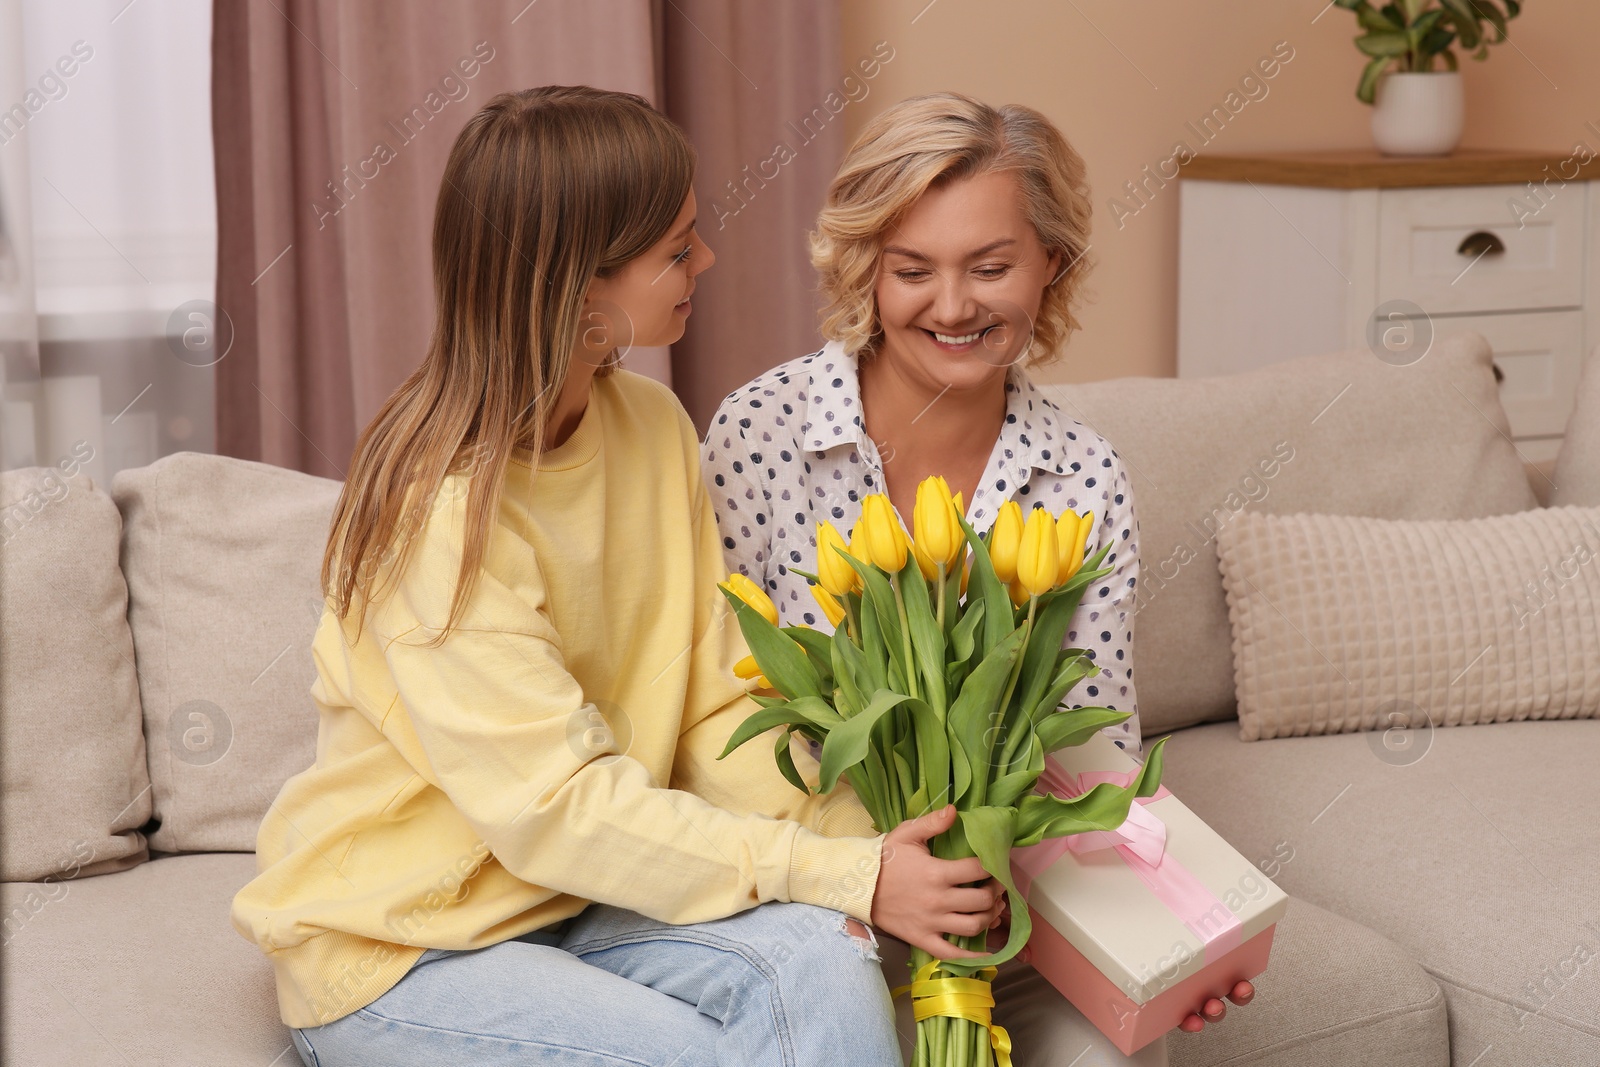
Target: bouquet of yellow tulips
929 693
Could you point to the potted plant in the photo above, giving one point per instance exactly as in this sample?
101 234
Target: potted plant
1418 110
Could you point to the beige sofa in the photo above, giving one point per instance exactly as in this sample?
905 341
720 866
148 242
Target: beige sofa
155 647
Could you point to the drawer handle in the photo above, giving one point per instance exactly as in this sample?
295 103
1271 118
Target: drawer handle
1499 375
1482 243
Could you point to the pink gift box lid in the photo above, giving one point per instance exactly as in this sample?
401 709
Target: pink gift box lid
1102 907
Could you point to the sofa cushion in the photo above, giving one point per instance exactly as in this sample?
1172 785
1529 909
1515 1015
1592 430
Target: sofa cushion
1334 993
143 967
1577 476
223 557
1314 433
1343 623
72 767
1474 850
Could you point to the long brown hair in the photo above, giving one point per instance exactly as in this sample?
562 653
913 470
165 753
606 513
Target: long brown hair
544 190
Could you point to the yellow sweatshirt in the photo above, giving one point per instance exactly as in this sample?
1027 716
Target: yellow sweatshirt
559 747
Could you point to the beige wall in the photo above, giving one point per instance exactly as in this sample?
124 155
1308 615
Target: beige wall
1122 77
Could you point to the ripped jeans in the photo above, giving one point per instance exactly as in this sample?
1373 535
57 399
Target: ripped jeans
778 985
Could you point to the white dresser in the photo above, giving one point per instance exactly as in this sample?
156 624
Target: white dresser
1291 254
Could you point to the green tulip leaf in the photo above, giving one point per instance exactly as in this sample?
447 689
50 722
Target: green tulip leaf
818 648
786 763
784 663
1105 807
847 743
976 711
1066 729
927 640
998 617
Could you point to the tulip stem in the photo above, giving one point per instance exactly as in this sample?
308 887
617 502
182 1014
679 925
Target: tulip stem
1005 701
905 638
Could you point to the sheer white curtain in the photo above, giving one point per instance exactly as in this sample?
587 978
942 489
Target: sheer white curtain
108 266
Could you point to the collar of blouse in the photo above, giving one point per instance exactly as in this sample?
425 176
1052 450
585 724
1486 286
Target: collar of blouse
1031 436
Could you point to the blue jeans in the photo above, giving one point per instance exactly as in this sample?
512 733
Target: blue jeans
778 985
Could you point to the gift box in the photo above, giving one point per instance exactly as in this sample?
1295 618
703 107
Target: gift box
1139 926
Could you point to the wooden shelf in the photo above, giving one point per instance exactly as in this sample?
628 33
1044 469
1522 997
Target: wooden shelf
1368 169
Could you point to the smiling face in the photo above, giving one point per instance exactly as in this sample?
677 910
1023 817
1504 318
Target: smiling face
646 303
960 281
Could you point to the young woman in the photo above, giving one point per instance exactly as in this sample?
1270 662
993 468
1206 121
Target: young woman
950 250
517 844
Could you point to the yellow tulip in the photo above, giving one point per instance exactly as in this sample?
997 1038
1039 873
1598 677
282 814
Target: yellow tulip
1074 559
936 534
746 590
1038 561
1019 594
833 570
830 606
1005 540
748 670
884 539
1066 537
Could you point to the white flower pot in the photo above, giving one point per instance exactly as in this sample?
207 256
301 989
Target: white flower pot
1418 113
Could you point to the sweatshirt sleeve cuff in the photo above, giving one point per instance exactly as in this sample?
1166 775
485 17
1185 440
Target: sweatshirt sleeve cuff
835 872
847 820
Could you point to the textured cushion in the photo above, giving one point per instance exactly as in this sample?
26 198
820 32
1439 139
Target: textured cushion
72 769
222 558
1341 623
1339 432
1577 475
1334 994
140 968
1473 850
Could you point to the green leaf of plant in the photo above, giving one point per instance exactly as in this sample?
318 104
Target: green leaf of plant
850 673
846 744
1010 785
960 771
818 648
902 767
1066 729
1486 9
878 598
1073 666
933 744
1044 647
998 617
1369 19
973 714
786 763
1368 87
759 723
1105 807
1388 45
927 640
1462 17
963 639
780 659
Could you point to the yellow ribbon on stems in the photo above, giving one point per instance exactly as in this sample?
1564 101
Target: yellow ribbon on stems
959 998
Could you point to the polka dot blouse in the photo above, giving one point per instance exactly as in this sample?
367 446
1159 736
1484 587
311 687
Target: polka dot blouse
790 449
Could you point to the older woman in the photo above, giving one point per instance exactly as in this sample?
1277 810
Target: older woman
950 251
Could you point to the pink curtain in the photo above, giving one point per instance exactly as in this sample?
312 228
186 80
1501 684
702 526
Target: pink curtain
332 122
759 89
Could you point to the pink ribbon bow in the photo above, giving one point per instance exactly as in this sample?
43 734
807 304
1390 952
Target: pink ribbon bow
1141 841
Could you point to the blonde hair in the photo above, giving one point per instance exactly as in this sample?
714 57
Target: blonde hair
544 190
937 138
